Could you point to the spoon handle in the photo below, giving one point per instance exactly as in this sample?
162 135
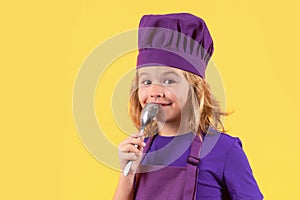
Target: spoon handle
127 168
129 164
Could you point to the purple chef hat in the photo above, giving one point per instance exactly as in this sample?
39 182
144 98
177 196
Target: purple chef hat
179 40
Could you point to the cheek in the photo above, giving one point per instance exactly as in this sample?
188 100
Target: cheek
181 96
142 95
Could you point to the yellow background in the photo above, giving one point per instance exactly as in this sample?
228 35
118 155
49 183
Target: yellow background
44 43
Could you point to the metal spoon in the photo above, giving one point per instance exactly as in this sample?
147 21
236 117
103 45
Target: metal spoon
147 115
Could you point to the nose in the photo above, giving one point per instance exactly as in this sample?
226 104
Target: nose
156 91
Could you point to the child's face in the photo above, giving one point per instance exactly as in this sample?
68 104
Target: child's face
167 87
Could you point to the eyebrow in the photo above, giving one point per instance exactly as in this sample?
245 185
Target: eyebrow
143 73
170 72
164 73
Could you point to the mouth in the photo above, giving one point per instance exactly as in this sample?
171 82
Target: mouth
163 104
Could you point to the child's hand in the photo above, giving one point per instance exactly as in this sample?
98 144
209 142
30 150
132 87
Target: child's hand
128 151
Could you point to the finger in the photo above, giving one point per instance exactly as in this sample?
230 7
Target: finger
129 148
129 156
136 135
131 141
123 146
141 149
132 149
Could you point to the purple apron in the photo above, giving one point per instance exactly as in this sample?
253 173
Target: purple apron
169 182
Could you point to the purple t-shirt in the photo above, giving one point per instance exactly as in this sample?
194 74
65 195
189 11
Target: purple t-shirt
224 170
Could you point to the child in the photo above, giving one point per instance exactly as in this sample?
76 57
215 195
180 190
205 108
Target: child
186 157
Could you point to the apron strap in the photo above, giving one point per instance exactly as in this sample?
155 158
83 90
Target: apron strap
192 170
145 150
148 144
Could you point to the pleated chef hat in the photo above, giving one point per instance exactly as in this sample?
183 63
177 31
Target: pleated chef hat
179 40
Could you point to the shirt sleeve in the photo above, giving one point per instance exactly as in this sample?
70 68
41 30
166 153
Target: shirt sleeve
238 175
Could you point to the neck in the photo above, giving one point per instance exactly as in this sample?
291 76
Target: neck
172 129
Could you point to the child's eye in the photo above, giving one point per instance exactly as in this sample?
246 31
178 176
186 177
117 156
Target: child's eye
146 82
168 81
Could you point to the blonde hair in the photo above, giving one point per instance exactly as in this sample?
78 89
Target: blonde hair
205 109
